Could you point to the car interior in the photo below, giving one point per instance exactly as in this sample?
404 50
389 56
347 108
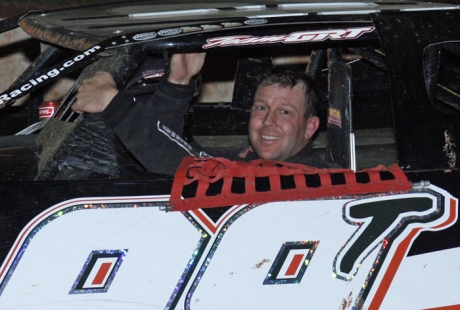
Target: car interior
355 111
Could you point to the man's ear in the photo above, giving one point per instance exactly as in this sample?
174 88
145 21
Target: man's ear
312 126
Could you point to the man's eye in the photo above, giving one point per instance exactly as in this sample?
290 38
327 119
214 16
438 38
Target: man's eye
285 112
260 108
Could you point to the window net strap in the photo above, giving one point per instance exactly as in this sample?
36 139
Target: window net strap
217 182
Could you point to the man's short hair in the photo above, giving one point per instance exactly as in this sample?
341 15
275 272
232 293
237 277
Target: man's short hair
288 76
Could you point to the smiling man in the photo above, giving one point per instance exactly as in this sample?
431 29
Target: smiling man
282 121
283 117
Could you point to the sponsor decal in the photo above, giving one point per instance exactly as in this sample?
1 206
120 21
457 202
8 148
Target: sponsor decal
45 112
295 37
173 136
169 32
334 117
244 153
191 29
144 36
258 21
211 27
152 74
51 74
47 109
98 271
231 25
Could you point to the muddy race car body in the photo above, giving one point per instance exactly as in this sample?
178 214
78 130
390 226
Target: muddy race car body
83 225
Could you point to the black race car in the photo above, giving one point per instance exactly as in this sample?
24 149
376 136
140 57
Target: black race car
84 225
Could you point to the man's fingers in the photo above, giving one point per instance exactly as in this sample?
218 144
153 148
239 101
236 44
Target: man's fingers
78 105
95 93
185 66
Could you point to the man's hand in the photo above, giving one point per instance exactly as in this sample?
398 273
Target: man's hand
95 93
185 66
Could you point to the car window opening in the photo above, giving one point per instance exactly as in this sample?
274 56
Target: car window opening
219 115
371 116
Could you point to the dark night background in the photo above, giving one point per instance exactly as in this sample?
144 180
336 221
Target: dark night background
10 8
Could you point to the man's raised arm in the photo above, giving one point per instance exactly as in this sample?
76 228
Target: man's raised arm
150 130
96 93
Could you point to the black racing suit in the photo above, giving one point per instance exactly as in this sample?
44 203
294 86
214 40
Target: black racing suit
148 130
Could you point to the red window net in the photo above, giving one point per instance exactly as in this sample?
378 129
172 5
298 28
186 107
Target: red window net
217 182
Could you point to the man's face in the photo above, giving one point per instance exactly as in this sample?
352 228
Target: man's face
278 128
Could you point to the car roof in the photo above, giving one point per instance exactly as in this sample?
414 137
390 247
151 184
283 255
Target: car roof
80 28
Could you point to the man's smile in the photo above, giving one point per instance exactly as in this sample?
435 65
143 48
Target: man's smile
266 137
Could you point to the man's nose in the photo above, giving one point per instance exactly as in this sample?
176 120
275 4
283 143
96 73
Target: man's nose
269 119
